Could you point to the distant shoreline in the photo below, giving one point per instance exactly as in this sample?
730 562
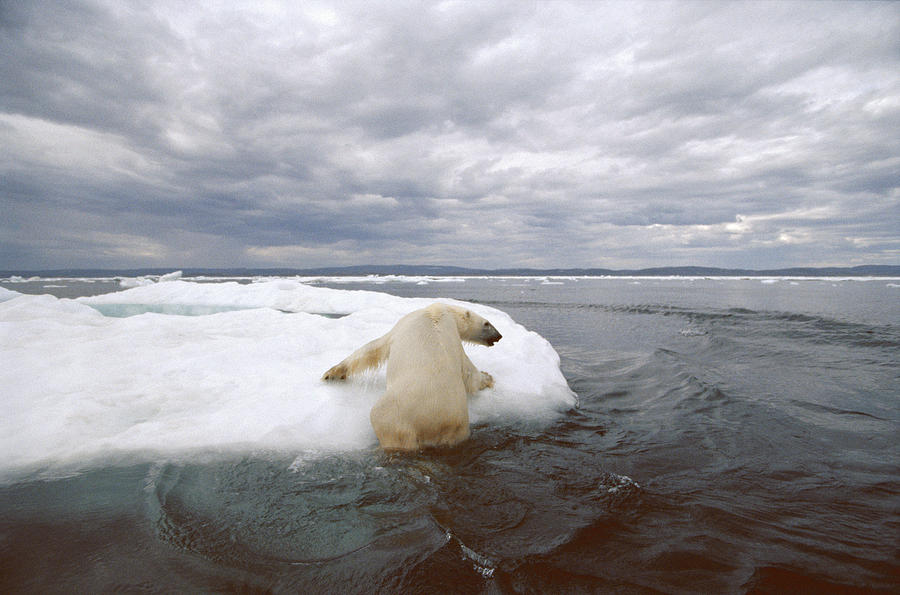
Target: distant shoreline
451 271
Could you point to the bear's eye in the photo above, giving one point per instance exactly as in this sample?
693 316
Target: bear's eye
487 324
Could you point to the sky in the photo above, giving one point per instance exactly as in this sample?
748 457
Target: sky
481 134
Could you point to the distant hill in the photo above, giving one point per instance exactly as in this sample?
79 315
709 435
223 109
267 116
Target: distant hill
452 271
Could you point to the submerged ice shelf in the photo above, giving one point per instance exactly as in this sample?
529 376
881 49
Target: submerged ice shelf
239 373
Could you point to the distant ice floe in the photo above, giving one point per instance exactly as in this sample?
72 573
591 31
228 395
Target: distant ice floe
128 282
240 371
381 279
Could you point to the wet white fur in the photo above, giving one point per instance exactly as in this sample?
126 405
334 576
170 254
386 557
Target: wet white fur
428 377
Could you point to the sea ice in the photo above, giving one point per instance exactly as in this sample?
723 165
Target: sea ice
80 386
7 294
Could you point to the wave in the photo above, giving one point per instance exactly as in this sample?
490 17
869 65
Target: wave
808 327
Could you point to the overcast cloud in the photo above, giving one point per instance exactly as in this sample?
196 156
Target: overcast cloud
489 134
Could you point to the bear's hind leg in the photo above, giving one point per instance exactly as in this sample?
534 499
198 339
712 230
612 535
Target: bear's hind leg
397 437
392 432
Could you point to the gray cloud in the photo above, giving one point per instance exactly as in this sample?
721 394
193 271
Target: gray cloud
484 134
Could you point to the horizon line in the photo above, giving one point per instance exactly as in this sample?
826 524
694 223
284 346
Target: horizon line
441 270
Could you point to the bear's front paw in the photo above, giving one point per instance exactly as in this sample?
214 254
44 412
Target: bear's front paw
338 372
487 381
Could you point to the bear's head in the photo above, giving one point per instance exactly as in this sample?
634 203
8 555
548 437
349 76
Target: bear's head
474 328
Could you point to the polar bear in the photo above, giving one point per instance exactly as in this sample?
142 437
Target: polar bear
428 376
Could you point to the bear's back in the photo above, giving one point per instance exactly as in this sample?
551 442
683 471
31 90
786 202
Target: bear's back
425 340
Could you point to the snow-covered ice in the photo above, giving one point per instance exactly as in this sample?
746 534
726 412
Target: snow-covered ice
93 378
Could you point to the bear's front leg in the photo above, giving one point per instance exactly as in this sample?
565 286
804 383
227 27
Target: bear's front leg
368 356
487 381
338 372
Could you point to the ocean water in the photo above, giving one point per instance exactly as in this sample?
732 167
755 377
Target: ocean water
645 435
